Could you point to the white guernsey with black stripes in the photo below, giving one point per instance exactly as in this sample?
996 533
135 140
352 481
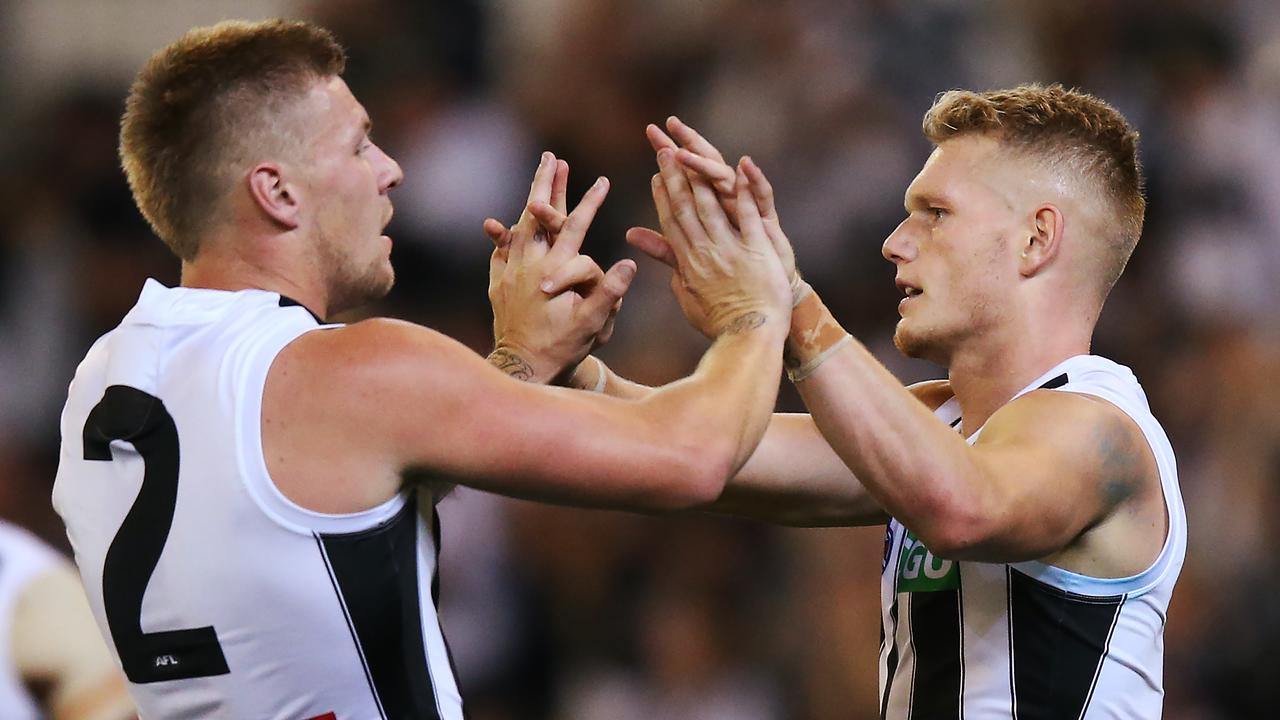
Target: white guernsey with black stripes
221 598
973 641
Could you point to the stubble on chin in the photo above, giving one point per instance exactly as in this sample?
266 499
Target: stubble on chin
351 291
906 343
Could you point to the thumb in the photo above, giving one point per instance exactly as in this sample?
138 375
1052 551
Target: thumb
500 235
652 244
615 284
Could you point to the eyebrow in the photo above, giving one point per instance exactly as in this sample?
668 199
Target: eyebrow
924 200
366 127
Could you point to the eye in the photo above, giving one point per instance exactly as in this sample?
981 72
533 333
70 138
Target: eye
938 213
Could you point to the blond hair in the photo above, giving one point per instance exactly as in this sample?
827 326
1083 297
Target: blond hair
207 101
1067 129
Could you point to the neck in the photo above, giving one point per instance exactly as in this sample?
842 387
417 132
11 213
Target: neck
235 273
985 378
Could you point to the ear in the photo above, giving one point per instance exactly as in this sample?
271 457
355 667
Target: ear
1041 245
275 197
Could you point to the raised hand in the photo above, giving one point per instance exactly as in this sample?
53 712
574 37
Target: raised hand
538 335
722 276
699 157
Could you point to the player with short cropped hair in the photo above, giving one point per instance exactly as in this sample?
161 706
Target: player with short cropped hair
233 468
1035 525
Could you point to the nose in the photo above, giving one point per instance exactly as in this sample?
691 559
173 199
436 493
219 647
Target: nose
391 173
899 247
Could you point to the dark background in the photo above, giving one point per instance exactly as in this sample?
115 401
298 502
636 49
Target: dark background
558 613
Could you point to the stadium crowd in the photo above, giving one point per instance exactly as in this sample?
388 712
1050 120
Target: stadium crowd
566 613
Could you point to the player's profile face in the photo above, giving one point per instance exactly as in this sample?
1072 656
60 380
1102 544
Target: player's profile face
348 179
952 250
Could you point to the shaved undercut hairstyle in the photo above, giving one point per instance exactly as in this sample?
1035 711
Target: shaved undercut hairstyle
1069 131
204 109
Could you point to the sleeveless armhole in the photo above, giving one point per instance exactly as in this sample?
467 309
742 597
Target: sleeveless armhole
249 364
1170 557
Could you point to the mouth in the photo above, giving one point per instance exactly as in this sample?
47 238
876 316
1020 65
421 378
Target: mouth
908 289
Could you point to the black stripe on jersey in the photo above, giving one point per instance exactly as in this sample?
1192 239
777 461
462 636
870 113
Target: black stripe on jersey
935 634
376 572
346 615
435 587
960 615
956 421
286 301
1008 615
1058 641
1055 383
891 663
1105 652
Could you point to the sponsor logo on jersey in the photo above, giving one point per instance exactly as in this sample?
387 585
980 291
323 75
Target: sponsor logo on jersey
921 571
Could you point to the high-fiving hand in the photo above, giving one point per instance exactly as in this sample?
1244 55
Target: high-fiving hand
551 305
699 157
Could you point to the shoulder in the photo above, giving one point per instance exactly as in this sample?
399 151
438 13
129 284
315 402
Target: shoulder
933 393
370 347
1083 436
374 375
1055 413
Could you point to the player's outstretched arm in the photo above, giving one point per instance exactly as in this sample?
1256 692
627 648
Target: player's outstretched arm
59 652
794 477
393 395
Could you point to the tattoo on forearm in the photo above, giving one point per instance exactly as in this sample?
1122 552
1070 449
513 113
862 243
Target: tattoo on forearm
511 364
749 321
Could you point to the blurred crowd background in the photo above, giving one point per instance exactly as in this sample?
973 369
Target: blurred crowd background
563 613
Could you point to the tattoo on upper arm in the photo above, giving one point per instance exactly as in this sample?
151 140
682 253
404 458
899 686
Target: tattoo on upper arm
748 321
511 364
1122 463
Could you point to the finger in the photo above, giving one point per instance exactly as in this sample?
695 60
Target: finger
497 232
601 301
547 216
671 233
579 270
659 139
652 244
559 186
543 179
684 209
748 214
606 332
710 212
689 138
720 175
500 236
575 226
760 187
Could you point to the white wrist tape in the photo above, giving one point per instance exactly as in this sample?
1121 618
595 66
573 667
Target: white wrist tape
602 375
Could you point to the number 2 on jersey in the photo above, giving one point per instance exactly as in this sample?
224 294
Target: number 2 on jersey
129 414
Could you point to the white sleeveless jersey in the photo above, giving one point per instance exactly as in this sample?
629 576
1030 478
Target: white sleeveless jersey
23 558
220 597
1028 640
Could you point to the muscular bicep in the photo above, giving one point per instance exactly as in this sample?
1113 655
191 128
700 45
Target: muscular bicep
1056 464
421 400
